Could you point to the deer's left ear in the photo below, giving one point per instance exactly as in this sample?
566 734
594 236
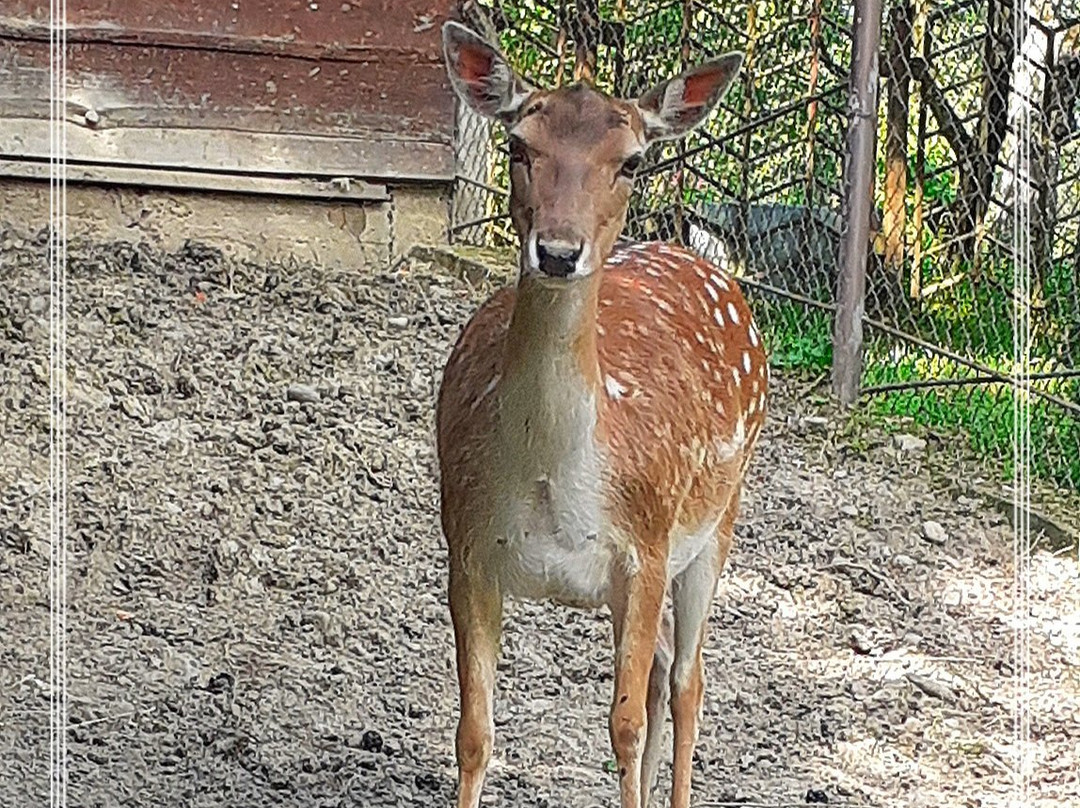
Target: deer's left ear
679 105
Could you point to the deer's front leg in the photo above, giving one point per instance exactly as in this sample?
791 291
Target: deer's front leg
636 607
476 611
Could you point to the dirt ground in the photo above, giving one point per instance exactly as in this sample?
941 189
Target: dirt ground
256 575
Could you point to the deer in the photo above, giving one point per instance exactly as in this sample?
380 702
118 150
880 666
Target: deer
596 417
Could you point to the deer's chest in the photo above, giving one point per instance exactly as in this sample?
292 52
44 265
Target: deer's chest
552 538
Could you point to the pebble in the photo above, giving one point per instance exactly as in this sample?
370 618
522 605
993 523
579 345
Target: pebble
301 392
934 533
908 443
399 322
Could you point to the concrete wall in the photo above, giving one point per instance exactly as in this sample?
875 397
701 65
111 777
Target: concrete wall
332 232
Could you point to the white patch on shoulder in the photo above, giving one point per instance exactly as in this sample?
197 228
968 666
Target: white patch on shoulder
732 313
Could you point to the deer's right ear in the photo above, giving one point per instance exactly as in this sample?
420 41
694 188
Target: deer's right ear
480 75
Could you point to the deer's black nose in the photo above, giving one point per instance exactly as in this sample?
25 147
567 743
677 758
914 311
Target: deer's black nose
557 258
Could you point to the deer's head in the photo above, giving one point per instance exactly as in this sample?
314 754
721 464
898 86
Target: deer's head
574 151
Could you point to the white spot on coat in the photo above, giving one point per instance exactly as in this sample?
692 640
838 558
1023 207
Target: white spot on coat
732 313
615 389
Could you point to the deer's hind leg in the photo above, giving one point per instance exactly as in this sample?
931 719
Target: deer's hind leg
692 593
656 707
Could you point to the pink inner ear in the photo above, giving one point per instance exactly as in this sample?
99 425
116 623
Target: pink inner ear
474 64
698 88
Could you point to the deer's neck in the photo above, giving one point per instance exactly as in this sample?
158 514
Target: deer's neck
550 375
552 335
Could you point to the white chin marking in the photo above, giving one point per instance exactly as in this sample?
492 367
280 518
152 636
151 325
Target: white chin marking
581 269
532 257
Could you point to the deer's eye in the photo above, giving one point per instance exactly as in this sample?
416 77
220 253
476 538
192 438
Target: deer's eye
631 165
519 152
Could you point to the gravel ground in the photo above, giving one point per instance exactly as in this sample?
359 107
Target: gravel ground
256 576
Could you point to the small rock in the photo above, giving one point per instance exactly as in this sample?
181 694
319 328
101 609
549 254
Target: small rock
816 795
220 683
399 322
371 741
932 688
849 510
934 533
815 421
908 443
861 642
905 562
301 392
427 782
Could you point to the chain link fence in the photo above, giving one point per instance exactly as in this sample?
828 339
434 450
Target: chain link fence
759 188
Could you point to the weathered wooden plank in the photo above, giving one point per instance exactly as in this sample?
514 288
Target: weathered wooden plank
323 28
263 86
346 188
240 152
397 95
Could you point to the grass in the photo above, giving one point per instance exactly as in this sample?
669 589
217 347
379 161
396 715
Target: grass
800 339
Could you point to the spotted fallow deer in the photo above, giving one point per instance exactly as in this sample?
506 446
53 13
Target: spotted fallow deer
596 419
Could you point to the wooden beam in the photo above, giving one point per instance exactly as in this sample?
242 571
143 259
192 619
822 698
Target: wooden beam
239 152
307 187
859 169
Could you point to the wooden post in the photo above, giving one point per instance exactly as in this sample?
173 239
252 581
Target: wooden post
811 91
858 201
896 137
921 35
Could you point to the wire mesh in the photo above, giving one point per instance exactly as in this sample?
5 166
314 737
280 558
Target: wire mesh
758 189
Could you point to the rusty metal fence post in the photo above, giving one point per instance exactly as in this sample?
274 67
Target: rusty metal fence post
858 201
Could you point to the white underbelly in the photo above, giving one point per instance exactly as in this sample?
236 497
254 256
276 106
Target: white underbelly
547 566
575 566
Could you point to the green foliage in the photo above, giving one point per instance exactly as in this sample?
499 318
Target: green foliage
981 415
797 339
